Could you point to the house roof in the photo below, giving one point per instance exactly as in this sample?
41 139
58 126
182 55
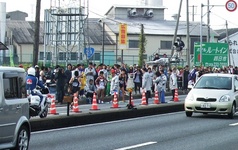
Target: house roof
222 32
23 32
163 27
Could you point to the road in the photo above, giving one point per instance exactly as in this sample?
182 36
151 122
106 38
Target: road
172 131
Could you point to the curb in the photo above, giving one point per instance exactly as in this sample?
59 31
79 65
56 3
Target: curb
92 117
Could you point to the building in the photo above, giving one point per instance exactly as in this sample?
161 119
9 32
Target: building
158 31
103 35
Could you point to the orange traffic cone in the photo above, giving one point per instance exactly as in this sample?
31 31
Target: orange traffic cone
115 102
76 106
143 102
156 99
52 106
94 104
176 99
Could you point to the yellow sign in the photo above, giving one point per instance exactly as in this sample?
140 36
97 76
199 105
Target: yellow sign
123 34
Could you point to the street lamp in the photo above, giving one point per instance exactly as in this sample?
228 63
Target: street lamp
201 34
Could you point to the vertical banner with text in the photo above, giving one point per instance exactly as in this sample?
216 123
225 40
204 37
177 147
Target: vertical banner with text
123 34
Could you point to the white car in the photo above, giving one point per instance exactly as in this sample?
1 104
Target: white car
213 93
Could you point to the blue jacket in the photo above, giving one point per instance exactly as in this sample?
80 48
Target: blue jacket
32 82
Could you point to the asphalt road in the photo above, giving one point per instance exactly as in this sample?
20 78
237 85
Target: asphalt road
172 131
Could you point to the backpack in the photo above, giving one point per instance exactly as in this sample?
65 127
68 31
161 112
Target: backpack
75 82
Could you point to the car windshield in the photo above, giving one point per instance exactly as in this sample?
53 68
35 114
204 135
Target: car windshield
214 82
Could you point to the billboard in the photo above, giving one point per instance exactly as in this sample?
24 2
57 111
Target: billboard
123 34
213 54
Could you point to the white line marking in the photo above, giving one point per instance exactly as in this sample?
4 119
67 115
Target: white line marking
233 124
136 146
104 123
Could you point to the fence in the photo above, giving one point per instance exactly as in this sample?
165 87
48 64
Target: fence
97 59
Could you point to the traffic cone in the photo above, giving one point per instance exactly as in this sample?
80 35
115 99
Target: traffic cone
176 99
76 106
52 106
94 104
115 102
143 102
156 99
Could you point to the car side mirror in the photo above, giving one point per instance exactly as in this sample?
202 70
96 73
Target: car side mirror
190 86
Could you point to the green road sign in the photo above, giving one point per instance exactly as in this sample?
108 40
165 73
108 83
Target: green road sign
213 54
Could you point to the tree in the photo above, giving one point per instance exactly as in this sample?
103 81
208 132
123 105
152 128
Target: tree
37 33
142 44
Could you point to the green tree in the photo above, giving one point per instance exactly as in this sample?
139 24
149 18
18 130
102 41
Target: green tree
37 33
142 44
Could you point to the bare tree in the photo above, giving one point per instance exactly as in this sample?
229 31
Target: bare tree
37 33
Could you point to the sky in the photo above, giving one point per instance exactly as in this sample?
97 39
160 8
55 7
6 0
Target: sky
97 9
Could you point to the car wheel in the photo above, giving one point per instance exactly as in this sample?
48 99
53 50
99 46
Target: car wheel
22 139
233 111
189 113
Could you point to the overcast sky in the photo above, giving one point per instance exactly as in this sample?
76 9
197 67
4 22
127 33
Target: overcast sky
98 8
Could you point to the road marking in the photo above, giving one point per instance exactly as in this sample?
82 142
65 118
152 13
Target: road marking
233 124
136 146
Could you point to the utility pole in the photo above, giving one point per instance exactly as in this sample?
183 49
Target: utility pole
229 53
103 40
193 11
188 36
176 28
201 34
208 21
37 33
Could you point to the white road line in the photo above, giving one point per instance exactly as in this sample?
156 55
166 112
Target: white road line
136 146
233 124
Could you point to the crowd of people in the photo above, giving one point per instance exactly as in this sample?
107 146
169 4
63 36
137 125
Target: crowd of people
106 80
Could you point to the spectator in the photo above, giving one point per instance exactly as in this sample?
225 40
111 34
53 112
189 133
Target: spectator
173 82
90 72
60 82
122 83
156 57
131 69
37 72
114 88
151 73
138 80
89 90
100 84
42 77
68 75
146 84
185 78
179 45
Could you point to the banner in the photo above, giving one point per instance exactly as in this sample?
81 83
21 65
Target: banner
123 34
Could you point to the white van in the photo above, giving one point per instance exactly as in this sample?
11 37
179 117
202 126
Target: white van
14 109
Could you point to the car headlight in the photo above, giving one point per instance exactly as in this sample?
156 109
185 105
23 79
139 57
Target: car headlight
225 98
189 97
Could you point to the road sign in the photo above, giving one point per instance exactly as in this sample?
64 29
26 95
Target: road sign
213 54
231 5
89 52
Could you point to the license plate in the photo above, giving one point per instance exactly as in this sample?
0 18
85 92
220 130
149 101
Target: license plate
205 105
